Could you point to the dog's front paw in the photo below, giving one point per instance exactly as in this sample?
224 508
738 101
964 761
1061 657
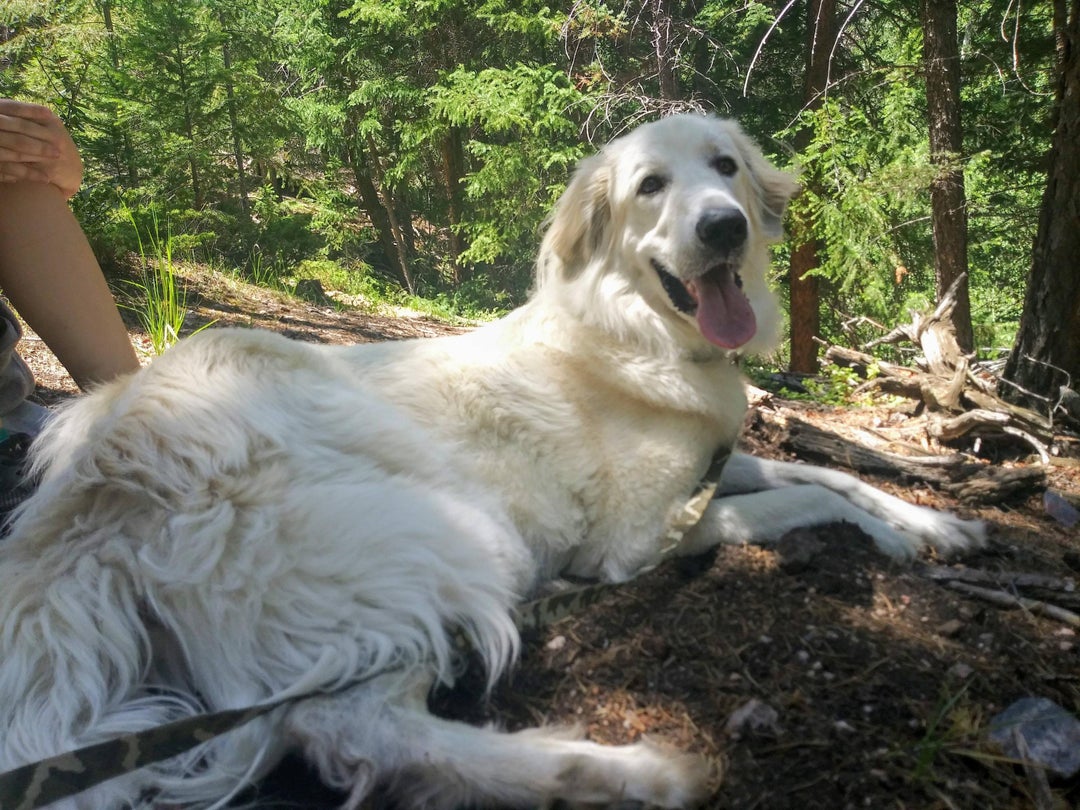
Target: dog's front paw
943 531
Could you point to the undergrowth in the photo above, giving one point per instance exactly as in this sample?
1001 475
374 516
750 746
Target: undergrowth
162 298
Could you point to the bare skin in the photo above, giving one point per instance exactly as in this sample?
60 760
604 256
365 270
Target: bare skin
47 269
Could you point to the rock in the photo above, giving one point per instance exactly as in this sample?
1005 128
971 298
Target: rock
797 551
311 290
1060 509
960 671
1039 731
556 643
753 718
950 628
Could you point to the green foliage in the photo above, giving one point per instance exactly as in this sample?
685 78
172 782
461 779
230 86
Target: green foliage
357 280
837 386
162 309
868 199
954 725
425 140
524 149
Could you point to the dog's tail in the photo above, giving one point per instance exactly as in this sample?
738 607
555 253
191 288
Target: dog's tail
73 648
75 641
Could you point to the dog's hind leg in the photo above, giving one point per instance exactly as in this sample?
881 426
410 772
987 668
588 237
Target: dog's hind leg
372 737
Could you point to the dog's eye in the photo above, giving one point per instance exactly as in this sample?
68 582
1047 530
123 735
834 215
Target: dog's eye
725 166
651 184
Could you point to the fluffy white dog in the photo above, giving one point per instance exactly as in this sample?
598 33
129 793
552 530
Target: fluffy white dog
251 516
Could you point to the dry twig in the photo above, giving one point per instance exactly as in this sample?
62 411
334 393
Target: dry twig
1009 601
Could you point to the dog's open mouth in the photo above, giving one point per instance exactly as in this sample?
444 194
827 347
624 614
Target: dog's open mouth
678 293
716 301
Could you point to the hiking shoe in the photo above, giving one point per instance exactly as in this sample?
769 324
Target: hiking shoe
15 485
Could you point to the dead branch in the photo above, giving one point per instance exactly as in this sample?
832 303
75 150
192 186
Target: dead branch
948 429
1009 579
961 405
1039 447
1009 601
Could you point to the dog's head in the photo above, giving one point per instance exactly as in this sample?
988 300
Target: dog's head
676 215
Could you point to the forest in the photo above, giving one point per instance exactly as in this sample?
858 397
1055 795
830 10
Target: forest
408 152
415 146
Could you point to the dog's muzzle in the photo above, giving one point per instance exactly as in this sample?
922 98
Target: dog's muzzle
715 298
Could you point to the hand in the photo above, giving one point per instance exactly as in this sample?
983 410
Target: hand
35 146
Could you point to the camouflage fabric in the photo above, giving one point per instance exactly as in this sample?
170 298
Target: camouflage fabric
40 783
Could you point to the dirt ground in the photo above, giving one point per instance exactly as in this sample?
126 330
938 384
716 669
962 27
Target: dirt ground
869 684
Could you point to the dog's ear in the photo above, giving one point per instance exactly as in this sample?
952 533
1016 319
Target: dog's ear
774 188
581 219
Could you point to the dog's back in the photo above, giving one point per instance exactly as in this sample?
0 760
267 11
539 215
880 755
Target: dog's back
190 524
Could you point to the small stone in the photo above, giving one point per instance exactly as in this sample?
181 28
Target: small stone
556 643
753 717
1060 509
1039 731
970 612
960 671
950 628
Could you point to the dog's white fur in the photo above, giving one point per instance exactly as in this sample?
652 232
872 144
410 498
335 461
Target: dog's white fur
252 516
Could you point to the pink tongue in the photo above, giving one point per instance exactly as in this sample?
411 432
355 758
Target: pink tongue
724 314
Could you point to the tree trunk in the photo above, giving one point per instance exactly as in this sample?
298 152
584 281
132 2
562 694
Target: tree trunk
1046 355
380 207
189 126
234 125
805 294
400 241
372 204
453 157
941 57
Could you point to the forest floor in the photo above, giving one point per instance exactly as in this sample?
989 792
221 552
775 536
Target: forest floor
873 685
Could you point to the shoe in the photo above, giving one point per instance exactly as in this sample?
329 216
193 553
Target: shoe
15 485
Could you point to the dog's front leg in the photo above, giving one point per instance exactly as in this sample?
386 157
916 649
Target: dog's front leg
759 500
762 518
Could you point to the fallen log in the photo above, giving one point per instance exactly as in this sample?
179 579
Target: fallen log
992 484
814 444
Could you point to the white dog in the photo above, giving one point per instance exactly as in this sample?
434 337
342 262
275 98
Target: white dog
251 516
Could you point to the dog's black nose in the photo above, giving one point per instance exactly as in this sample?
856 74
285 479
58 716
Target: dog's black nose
722 229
